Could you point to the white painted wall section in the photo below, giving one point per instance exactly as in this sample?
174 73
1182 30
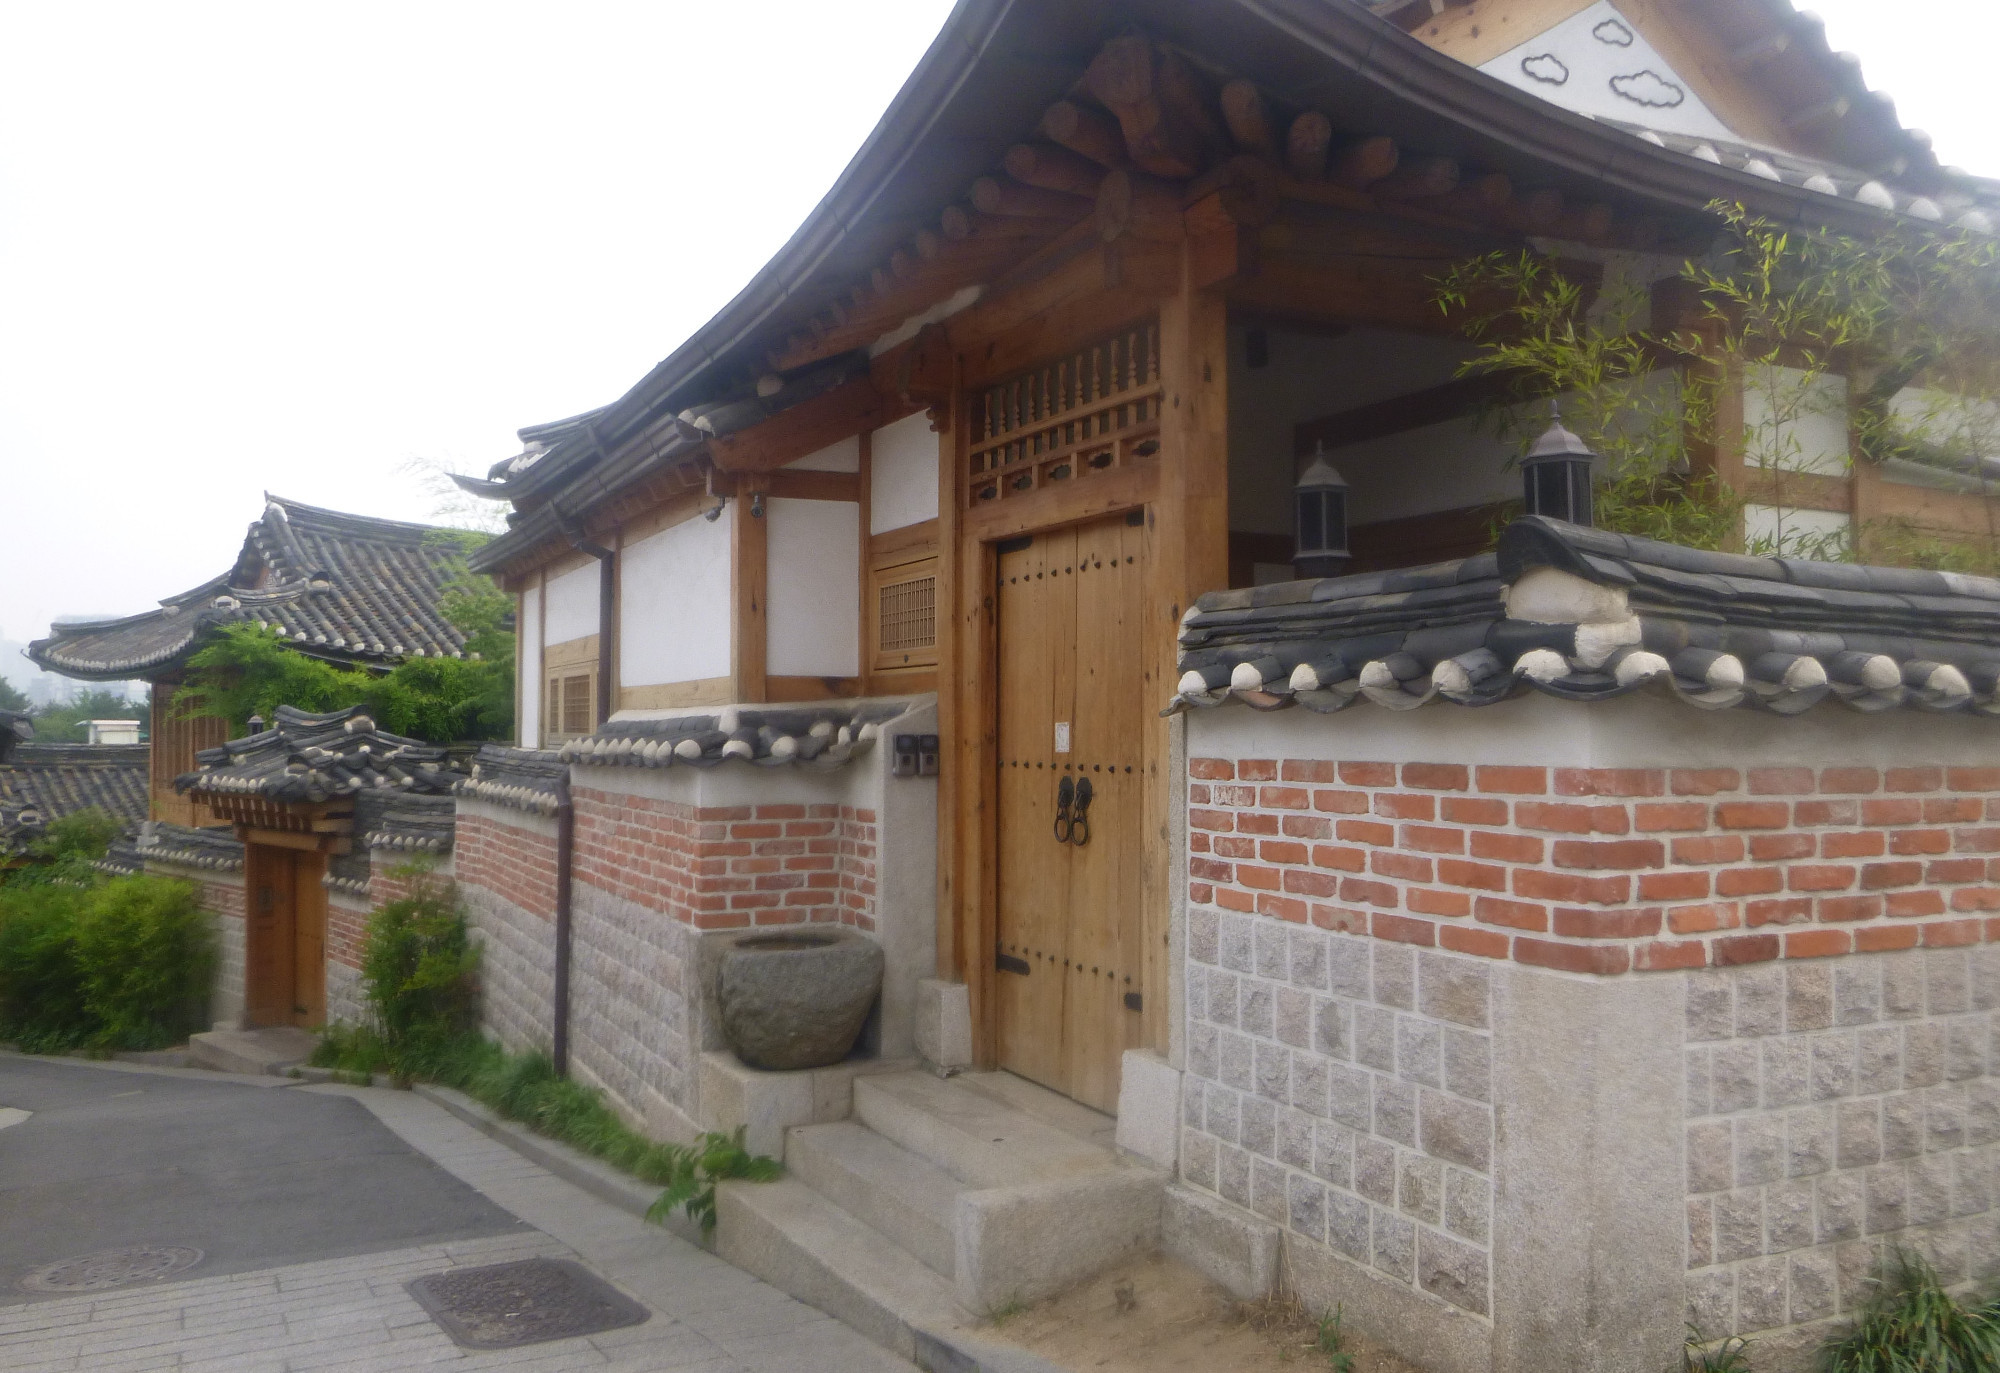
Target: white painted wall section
813 588
572 609
1795 421
1788 532
528 660
902 474
673 605
844 456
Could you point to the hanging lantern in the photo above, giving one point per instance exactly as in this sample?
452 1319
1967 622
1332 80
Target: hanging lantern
1555 474
1319 501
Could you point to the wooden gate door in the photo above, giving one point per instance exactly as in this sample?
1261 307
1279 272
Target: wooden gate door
1072 708
308 940
285 958
271 886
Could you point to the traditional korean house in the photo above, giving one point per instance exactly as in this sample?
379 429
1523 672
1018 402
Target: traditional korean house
1656 989
350 589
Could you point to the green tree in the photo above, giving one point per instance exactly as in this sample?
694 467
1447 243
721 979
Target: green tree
11 697
64 723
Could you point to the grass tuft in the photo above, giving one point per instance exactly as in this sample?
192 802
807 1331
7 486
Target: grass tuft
1913 1325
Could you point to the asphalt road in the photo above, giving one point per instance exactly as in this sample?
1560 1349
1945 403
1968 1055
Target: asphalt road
255 1177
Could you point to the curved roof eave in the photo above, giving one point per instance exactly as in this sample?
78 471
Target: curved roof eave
1466 106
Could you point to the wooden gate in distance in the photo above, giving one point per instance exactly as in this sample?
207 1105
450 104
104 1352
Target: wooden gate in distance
285 928
1071 713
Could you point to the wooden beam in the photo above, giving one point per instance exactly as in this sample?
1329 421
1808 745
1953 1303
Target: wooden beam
1249 120
1307 144
1010 199
1158 136
796 485
1053 168
1362 164
1085 131
805 428
1400 414
1187 553
749 571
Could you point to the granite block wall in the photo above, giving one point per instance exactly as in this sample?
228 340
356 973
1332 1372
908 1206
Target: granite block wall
1342 1087
1834 1107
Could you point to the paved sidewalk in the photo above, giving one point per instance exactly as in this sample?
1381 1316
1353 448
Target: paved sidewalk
354 1314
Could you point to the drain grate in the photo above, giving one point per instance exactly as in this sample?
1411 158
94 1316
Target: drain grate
109 1268
508 1304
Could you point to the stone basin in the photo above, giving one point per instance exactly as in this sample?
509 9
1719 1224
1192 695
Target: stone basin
798 997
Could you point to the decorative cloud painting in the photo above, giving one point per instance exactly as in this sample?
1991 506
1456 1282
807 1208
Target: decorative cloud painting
1614 33
1546 67
1648 88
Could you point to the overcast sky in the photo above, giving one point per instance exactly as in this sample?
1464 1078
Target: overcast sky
249 247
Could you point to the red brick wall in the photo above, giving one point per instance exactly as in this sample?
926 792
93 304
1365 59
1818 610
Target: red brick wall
721 867
346 926
512 862
1604 870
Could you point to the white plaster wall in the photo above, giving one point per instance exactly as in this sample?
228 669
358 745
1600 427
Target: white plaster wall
673 610
1795 422
813 588
1787 531
528 655
1310 376
1598 63
572 611
902 474
844 456
1639 730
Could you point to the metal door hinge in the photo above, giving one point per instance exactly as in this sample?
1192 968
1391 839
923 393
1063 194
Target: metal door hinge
1007 963
1134 1002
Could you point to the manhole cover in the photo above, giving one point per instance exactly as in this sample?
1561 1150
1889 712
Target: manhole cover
113 1268
505 1304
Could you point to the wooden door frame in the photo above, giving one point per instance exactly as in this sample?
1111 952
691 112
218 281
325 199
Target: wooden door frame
1185 496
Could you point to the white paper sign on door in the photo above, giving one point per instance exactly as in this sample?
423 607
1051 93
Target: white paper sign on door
1062 736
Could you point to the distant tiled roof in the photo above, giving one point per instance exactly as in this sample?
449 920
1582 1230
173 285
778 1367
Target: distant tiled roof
16 727
41 783
317 757
818 736
1585 614
342 587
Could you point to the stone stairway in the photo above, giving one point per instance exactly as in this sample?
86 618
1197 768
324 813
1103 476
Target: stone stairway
940 1201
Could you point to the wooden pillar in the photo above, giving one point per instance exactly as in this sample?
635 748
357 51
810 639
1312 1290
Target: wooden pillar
749 568
1188 533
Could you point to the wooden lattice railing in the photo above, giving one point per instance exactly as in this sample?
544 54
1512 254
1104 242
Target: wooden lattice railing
1095 410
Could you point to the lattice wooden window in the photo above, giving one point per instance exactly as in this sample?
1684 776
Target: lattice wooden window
906 615
570 708
1093 411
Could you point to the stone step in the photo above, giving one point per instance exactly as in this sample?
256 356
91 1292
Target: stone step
251 1051
1050 1108
891 1190
795 1239
977 1138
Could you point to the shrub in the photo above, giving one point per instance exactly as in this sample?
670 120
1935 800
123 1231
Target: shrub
146 958
421 968
41 984
1913 1325
123 964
